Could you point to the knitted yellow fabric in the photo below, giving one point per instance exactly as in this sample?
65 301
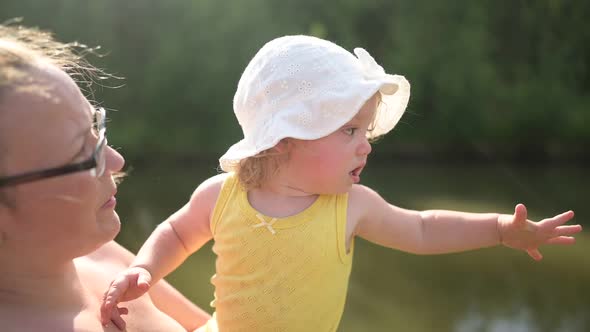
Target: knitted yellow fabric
278 274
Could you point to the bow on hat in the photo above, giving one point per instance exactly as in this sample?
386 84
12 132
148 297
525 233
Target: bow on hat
373 71
370 67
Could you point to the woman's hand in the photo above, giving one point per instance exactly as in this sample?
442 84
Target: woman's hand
517 232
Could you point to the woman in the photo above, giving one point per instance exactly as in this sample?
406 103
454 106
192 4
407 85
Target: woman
57 199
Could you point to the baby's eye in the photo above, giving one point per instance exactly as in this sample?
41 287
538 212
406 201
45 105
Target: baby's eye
350 131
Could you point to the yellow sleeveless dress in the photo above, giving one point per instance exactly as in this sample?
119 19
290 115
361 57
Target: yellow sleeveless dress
278 274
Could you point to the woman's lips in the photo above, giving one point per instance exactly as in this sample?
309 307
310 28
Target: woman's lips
110 203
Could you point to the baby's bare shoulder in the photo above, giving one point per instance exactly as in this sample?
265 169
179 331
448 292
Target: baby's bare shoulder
211 187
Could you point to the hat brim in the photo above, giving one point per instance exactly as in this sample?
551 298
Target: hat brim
395 95
240 150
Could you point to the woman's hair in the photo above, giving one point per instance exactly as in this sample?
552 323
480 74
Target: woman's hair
22 50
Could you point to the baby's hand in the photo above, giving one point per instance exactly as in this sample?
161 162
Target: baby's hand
116 317
128 285
519 233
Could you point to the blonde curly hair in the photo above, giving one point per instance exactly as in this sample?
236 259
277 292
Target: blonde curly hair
254 171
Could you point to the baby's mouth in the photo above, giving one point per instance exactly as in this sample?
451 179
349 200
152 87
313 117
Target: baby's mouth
357 171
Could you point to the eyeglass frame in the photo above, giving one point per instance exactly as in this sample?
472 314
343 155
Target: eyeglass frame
92 163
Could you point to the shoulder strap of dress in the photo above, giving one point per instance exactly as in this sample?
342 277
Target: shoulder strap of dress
341 222
227 188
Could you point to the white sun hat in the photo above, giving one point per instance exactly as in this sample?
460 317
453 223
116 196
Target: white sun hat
306 88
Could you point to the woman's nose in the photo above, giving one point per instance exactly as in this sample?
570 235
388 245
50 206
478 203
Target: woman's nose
114 160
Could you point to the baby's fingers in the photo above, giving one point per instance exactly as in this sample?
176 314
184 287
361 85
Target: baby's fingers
568 230
558 219
144 280
111 297
116 317
535 254
561 240
122 310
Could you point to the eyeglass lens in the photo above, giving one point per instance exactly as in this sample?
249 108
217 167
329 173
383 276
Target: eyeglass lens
99 153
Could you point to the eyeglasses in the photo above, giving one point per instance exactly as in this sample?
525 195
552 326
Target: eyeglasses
96 162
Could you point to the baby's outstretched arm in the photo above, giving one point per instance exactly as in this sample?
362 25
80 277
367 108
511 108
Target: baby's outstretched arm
440 231
168 246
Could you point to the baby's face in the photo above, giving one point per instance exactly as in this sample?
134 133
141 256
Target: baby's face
332 164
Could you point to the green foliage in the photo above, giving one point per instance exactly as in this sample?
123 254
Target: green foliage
489 78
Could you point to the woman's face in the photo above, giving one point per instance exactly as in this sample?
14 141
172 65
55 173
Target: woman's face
69 215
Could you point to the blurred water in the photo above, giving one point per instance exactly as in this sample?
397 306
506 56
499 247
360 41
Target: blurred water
521 320
489 290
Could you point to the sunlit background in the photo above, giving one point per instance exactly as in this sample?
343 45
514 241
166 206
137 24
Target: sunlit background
499 114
